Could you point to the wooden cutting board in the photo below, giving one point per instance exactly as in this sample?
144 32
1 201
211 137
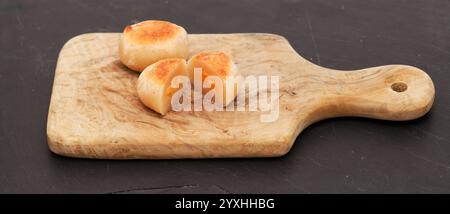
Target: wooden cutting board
95 112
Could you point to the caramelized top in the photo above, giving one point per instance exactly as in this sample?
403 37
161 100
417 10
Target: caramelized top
151 31
215 62
162 69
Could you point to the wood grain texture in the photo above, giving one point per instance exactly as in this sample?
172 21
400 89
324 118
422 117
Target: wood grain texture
95 112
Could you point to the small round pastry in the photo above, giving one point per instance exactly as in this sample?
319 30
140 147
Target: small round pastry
145 43
154 82
214 63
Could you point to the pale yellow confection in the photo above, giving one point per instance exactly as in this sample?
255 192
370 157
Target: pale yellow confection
214 63
154 83
145 43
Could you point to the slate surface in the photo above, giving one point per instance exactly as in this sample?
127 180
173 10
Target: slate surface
345 155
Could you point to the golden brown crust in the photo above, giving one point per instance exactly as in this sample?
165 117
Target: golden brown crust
216 61
145 43
151 31
161 69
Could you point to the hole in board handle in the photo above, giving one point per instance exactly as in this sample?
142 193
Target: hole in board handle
399 87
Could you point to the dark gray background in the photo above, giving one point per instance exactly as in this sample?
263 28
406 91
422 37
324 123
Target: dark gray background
345 155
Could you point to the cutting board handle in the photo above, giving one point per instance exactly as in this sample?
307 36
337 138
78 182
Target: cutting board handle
391 92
